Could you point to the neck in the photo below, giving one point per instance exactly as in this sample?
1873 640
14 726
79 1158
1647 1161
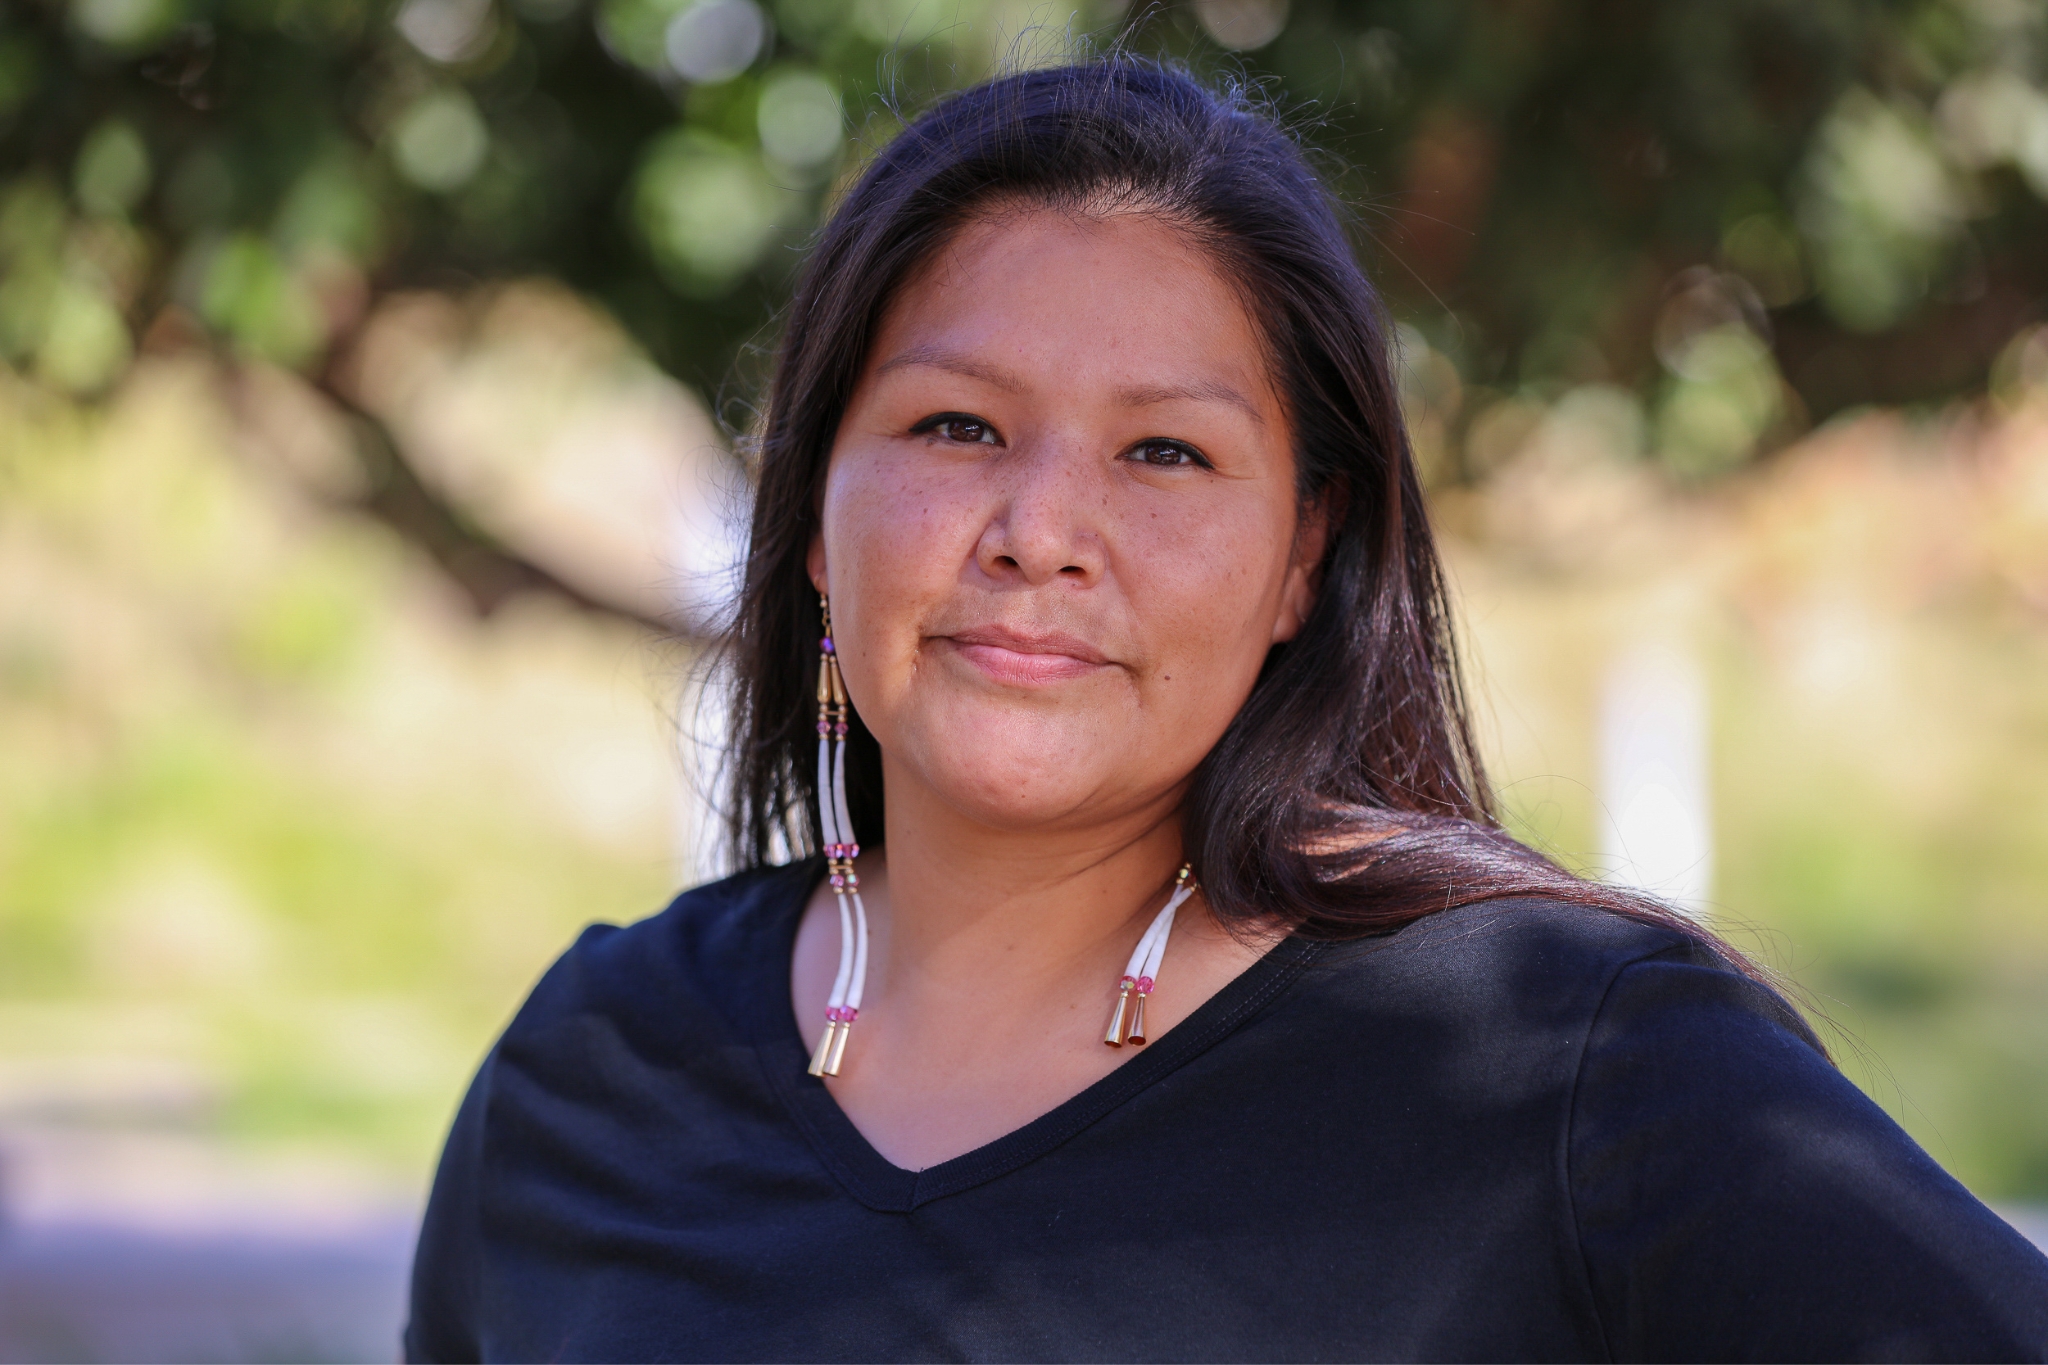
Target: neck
993 961
1008 915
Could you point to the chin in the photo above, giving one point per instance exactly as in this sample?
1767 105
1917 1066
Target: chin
1016 771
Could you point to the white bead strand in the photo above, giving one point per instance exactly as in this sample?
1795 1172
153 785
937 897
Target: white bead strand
842 1007
1127 1022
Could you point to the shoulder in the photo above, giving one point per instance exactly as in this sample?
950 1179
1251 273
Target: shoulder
583 1084
1522 964
687 967
1734 1196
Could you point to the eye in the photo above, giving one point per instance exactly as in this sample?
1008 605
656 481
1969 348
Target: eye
1162 453
957 426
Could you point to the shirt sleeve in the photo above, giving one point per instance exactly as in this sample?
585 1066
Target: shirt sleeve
1737 1198
442 1325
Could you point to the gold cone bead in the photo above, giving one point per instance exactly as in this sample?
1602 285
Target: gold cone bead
822 1055
1136 1037
837 1053
1117 1021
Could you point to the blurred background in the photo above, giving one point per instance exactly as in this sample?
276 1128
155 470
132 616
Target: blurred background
367 379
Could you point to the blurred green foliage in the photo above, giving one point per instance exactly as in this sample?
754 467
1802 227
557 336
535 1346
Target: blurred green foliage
1749 213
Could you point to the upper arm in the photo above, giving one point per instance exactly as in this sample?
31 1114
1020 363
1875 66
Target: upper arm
445 1269
1737 1198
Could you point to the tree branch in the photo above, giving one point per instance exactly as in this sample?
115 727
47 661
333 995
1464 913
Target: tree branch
488 572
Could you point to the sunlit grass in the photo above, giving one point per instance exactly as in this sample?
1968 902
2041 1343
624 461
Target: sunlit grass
277 819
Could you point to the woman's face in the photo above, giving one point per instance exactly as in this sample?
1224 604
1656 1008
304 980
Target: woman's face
1060 528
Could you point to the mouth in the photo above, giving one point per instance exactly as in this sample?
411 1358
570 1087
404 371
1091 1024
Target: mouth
1022 659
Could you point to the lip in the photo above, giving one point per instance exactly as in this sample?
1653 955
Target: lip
1021 658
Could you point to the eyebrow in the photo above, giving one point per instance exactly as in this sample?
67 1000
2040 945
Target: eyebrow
939 358
1201 391
1140 396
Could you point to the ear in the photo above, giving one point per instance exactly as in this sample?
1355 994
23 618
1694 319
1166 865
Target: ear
1298 596
814 563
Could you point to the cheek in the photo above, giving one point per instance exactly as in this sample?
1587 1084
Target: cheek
895 538
1213 584
888 520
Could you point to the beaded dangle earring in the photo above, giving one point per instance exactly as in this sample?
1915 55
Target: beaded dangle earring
1127 1023
842 1007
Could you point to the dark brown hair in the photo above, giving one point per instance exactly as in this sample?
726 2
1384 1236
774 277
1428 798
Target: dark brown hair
1347 796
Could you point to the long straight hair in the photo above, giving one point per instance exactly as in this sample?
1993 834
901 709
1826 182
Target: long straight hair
1347 797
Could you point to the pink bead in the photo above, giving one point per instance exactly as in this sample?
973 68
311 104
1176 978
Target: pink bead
1125 983
838 880
852 850
824 728
840 729
849 1014
1144 985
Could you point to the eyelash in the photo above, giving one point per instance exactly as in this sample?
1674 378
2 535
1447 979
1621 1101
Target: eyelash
936 424
1191 456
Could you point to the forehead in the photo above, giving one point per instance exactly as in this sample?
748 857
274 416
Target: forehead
1124 295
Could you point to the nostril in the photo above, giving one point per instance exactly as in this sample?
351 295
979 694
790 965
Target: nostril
1074 569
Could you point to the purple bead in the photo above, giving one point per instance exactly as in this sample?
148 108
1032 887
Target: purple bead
838 880
824 727
826 644
840 729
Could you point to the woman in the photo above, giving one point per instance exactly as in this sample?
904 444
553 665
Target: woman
1135 720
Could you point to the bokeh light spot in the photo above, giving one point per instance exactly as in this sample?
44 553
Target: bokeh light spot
800 119
902 23
447 31
85 343
715 40
707 211
113 170
439 143
123 23
1242 25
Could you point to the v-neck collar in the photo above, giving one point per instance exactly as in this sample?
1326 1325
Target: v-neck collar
884 1186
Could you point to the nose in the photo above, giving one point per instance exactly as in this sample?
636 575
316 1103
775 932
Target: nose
1046 524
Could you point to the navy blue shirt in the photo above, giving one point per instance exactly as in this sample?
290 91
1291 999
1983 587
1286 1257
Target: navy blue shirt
1517 1130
